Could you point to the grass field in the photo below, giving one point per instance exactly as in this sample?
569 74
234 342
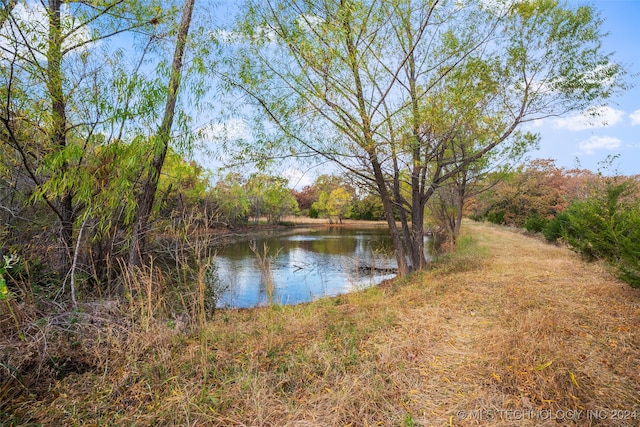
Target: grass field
508 331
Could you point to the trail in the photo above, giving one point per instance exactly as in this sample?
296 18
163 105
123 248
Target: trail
534 336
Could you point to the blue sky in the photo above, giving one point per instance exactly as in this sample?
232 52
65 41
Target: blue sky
590 142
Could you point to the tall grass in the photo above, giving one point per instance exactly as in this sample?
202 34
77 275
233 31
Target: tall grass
265 262
530 327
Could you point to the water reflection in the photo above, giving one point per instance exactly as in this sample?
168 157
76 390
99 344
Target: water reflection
304 266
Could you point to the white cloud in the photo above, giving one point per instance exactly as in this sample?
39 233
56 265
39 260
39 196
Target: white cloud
226 36
535 124
598 117
309 22
635 118
599 143
230 130
297 178
30 36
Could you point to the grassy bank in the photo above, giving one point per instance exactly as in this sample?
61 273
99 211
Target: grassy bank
508 331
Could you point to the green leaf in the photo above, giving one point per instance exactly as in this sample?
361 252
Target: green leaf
4 291
544 365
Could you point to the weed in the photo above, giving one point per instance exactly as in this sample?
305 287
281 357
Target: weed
265 262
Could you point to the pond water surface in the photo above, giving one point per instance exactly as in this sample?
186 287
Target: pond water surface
304 265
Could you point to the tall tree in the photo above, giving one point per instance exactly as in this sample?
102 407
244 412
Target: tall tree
52 105
383 89
160 143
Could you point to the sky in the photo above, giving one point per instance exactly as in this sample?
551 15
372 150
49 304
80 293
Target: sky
574 141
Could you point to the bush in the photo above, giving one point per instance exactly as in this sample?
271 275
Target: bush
535 223
607 227
552 231
496 217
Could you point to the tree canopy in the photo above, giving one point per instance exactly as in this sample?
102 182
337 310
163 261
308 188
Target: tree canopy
406 94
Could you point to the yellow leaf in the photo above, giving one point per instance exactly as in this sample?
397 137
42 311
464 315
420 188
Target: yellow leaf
573 379
544 365
496 376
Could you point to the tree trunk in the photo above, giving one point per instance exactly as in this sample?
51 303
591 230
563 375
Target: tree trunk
161 140
389 216
417 235
58 133
459 200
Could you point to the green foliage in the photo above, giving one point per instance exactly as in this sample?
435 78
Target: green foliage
270 197
334 204
495 217
339 203
368 208
552 231
535 223
182 183
232 200
238 199
607 226
320 206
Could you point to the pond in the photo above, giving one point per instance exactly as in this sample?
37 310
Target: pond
303 265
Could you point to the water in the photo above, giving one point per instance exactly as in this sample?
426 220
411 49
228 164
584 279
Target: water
305 265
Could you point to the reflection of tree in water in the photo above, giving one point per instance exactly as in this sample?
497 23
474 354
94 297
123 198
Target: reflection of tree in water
309 261
308 265
333 245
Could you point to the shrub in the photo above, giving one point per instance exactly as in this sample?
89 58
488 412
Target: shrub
607 226
552 231
535 223
496 217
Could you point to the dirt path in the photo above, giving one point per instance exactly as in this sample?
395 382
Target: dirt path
534 336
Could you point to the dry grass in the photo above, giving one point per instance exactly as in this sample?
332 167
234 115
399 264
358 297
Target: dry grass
508 324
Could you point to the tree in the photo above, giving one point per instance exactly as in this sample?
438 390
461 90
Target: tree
387 90
270 197
538 191
306 197
320 206
339 204
232 199
367 207
160 143
54 98
334 203
182 185
606 225
7 8
278 202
